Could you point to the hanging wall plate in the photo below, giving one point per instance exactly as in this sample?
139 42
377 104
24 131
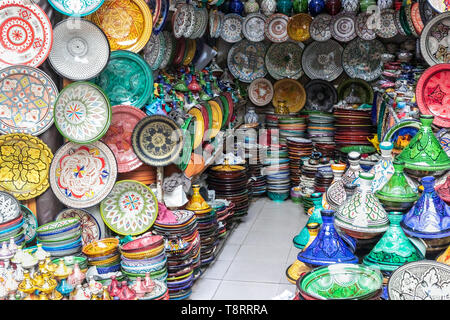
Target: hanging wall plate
320 28
275 27
232 28
246 60
323 60
434 40
284 60
76 8
253 27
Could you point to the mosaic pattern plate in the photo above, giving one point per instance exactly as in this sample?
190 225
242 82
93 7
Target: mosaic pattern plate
153 51
435 40
180 20
83 175
246 60
387 28
9 207
323 60
253 27
24 165
260 92
275 27
284 60
127 23
130 209
78 8
169 40
362 29
127 79
82 112
90 228
320 27
362 59
231 28
27 96
343 27
157 140
26 34
30 223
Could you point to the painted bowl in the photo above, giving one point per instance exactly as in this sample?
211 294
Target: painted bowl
63 233
144 254
142 244
278 197
158 275
62 245
105 262
71 245
101 247
11 223
18 239
135 262
70 261
67 252
143 269
61 240
56 227
103 270
102 258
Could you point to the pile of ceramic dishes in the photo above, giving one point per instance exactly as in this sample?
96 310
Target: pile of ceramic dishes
208 227
142 255
253 152
222 208
307 180
11 219
103 254
277 171
61 238
320 126
324 178
353 127
298 149
182 246
291 127
271 121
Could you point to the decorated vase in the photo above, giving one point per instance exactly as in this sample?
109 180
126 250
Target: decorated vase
251 116
354 168
366 4
284 6
350 5
268 7
236 6
384 168
316 7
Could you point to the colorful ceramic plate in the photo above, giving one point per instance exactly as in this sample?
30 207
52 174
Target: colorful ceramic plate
320 28
320 95
275 27
232 28
298 27
291 92
355 91
191 46
398 23
201 22
27 97
180 20
30 225
155 8
230 105
82 112
26 34
127 79
79 53
199 126
323 60
439 6
188 143
24 164
401 134
362 59
118 136
416 18
246 60
284 60
191 19
161 21
170 42
130 209
409 20
83 175
362 29
253 27
387 28
216 119
127 23
77 8
260 91
426 11
215 17
343 26
153 51
89 225
157 140
433 93
434 40
10 208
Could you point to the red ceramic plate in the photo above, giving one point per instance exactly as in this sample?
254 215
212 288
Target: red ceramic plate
143 244
118 136
205 118
415 16
433 93
180 49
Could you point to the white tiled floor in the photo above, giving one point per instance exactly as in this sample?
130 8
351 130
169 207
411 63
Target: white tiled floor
254 259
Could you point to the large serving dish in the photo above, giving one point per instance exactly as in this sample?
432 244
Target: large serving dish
246 60
291 92
284 60
77 8
323 60
434 40
275 28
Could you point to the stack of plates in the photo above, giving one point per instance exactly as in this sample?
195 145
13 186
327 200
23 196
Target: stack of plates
208 227
144 174
298 149
11 219
271 121
353 127
224 212
61 238
277 171
324 178
255 166
291 127
182 250
321 128
103 254
307 180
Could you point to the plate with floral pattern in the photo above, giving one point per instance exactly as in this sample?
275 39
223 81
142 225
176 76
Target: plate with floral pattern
191 20
435 40
409 20
130 209
231 28
9 207
362 29
260 91
24 165
169 40
343 26
253 27
387 28
82 112
275 27
83 175
416 18
77 8
362 59
30 223
26 34
323 60
90 228
320 29
27 96
246 60
284 60
180 20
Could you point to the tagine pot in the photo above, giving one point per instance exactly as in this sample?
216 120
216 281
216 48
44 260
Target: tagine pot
284 6
316 217
300 6
335 194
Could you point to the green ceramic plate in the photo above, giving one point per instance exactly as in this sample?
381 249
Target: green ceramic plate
188 133
356 90
57 225
360 149
225 111
226 107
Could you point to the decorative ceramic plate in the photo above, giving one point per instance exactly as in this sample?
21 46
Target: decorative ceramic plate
82 112
27 96
232 28
153 51
83 175
180 20
275 27
130 209
362 29
362 59
355 91
191 19
420 280
24 164
291 92
127 23
401 134
127 79
169 40
284 60
298 27
217 118
415 16
118 136
323 60
77 8
202 21
189 54
215 18
199 126
320 95
161 21
320 27
30 223
79 53
409 20
260 91
9 207
398 23
435 40
433 93
155 8
253 27
246 60
426 11
343 26
439 5
89 225
157 140
387 28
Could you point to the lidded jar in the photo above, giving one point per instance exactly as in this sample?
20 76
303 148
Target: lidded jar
335 194
354 168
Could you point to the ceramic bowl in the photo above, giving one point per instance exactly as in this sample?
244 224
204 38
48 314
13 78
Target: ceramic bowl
72 245
56 227
149 261
101 247
144 254
60 239
105 262
145 268
103 270
11 232
69 261
62 244
67 252
142 244
278 197
11 223
18 239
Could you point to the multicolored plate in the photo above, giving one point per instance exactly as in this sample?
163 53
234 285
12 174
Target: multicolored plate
153 51
118 136
260 92
246 60
82 112
157 140
9 208
130 209
27 96
323 60
253 27
127 23
439 6
26 34
434 40
24 165
343 26
275 27
291 92
89 225
387 28
159 23
320 27
416 18
83 175
199 126
231 28
284 60
361 28
77 8
30 223
180 20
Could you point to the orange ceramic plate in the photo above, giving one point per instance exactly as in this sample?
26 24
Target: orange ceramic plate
199 126
127 23
217 118
195 166
290 91
298 27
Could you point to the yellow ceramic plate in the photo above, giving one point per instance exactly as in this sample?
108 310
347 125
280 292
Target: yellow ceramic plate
199 126
290 91
298 27
24 165
217 118
127 23
101 247
190 51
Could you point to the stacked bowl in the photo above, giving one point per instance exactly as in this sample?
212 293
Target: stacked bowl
61 238
11 219
277 171
290 126
298 149
324 178
353 127
321 126
103 254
